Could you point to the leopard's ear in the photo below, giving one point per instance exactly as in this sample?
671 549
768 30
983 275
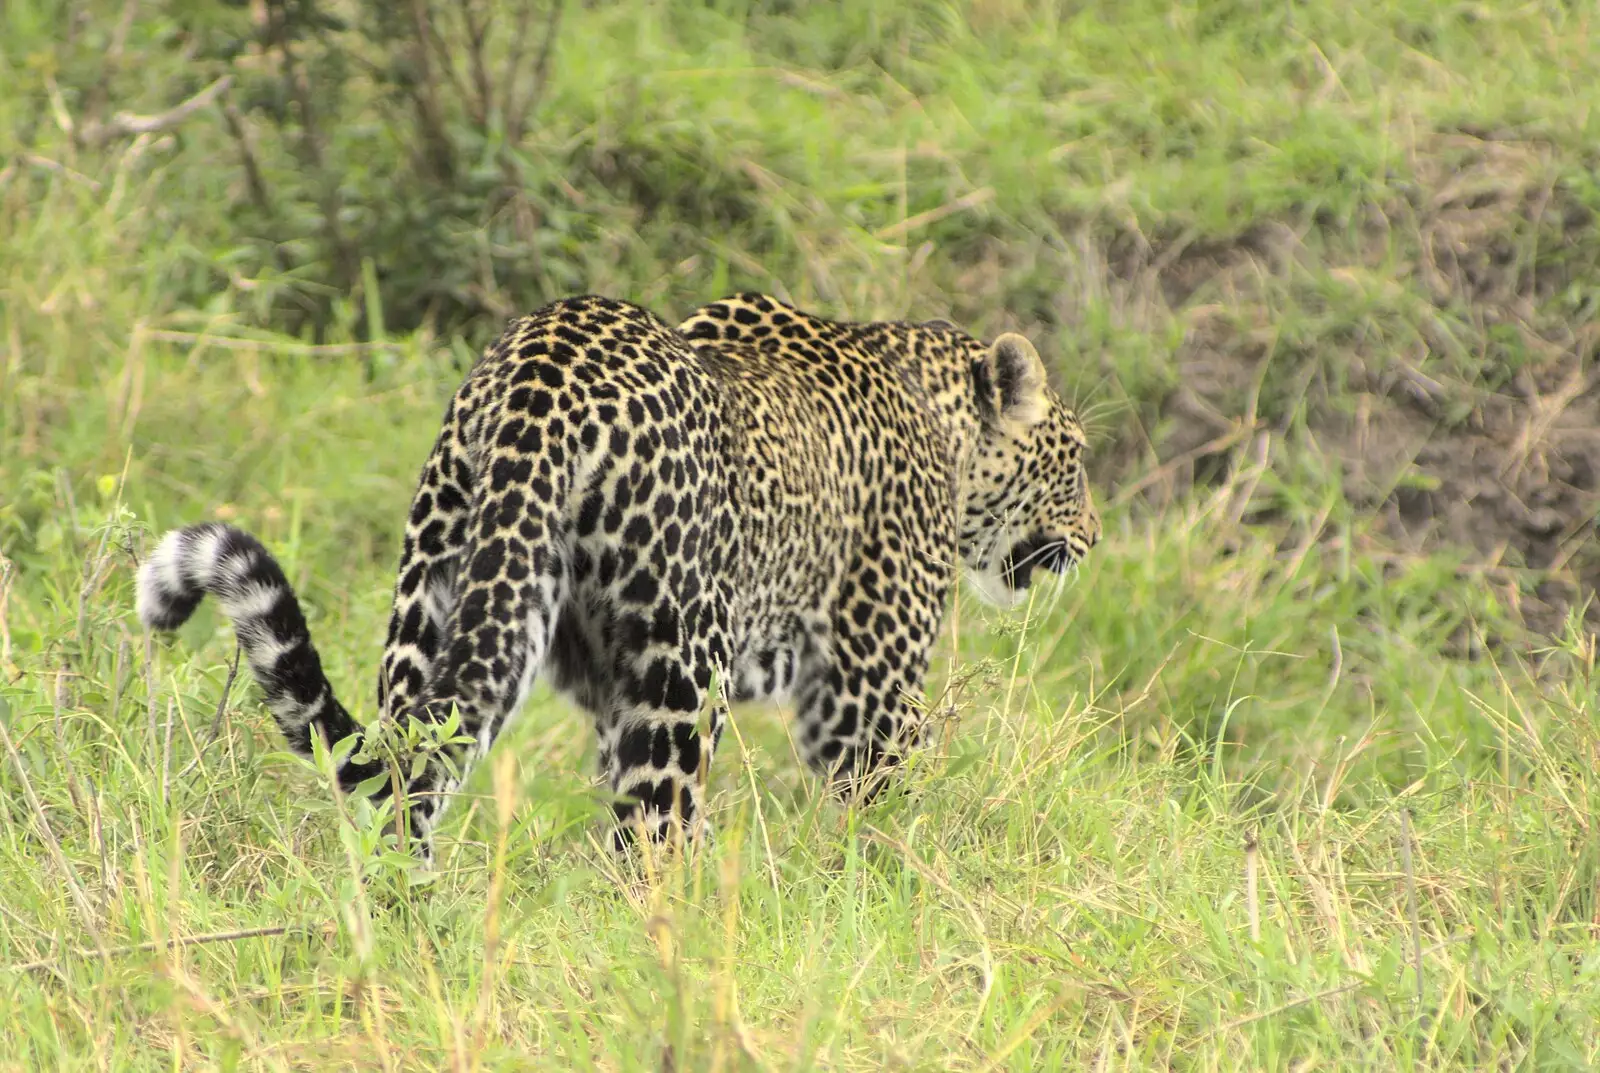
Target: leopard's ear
1011 386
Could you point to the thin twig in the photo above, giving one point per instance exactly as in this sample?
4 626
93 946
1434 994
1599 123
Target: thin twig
429 35
310 146
477 34
248 158
517 117
228 342
110 61
157 944
216 720
125 123
513 64
438 154
61 169
222 701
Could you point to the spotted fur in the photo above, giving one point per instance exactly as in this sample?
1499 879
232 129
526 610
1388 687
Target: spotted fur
758 497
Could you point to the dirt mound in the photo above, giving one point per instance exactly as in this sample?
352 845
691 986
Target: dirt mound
1440 353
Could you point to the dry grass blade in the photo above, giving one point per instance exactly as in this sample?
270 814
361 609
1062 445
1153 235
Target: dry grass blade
1252 896
981 196
1408 863
68 875
1023 1032
1262 1015
322 929
7 568
1165 472
980 929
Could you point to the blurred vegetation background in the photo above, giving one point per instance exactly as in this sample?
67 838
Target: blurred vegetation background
1360 239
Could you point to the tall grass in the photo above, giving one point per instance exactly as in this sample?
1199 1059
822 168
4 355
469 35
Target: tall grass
1265 789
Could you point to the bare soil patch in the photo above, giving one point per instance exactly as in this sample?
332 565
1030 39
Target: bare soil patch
1461 406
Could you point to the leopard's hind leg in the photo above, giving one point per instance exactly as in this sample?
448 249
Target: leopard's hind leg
426 579
512 589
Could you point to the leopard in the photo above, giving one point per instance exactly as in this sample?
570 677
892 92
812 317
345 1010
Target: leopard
757 504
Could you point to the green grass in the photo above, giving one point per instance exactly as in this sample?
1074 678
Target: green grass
1203 813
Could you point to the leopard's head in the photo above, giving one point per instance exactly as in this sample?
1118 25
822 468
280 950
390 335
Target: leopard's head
1026 504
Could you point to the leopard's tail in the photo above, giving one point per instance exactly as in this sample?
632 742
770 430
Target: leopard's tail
233 566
